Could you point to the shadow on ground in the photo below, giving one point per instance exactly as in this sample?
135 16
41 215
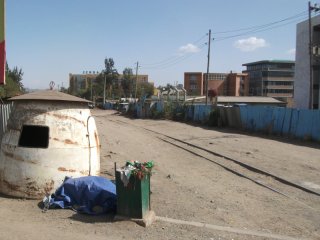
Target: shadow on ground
85 218
229 130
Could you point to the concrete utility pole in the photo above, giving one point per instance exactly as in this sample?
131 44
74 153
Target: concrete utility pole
135 93
208 63
91 90
310 9
104 88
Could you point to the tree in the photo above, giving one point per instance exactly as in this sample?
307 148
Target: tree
13 84
127 82
16 75
144 90
111 77
111 74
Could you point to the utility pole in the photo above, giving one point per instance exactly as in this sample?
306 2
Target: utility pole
208 63
310 9
91 90
310 60
104 88
135 94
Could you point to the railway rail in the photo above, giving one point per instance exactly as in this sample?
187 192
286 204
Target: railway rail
293 191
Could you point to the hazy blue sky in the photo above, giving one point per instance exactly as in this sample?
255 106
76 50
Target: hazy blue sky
50 39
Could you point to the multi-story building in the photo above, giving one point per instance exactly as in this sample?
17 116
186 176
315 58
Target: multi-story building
303 80
272 78
226 84
81 82
216 81
193 83
237 84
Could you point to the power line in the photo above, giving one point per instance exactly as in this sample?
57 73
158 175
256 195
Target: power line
173 57
259 30
174 61
263 25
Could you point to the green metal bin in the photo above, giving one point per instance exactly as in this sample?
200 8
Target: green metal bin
133 200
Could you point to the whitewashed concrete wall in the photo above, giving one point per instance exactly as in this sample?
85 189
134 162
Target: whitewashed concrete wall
302 70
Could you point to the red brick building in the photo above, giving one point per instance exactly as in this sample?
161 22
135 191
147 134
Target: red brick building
226 84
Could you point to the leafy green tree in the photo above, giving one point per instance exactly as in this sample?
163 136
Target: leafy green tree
16 75
14 85
127 82
111 75
144 90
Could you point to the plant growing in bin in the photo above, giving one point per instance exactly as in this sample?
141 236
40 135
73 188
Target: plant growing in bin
141 169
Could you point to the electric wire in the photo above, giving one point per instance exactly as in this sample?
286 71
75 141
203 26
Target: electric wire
171 61
304 13
175 61
257 30
173 57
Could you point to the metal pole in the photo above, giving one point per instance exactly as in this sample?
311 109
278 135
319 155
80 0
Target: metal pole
90 88
208 63
135 94
310 59
104 89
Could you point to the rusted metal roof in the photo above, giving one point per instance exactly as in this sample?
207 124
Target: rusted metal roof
49 95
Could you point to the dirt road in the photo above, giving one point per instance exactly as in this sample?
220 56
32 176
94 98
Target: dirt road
196 194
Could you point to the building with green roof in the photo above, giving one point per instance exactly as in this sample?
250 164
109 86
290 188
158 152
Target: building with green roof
271 78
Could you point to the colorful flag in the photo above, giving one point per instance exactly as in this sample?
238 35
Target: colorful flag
2 43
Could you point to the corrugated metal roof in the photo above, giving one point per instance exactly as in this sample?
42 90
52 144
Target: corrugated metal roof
241 99
49 95
230 99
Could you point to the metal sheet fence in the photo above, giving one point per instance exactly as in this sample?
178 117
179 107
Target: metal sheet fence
300 123
5 110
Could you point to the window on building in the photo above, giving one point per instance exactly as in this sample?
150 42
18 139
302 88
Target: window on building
193 86
34 136
279 91
278 83
193 79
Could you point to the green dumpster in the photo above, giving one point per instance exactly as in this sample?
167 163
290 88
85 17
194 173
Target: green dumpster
133 190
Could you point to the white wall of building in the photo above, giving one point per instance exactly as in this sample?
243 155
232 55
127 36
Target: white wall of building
302 69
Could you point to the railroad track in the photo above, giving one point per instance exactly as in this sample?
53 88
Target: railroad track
295 192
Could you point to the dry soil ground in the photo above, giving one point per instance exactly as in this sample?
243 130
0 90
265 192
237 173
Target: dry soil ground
193 197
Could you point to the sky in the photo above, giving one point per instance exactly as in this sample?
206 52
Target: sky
50 39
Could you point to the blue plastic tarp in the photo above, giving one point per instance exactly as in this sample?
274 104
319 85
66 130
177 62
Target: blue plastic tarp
91 195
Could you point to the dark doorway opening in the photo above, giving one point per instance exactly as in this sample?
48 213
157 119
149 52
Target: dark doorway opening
34 136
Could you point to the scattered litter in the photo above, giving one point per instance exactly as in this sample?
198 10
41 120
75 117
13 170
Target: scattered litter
125 174
136 169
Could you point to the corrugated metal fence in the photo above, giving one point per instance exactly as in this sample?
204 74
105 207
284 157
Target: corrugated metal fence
5 110
197 113
304 124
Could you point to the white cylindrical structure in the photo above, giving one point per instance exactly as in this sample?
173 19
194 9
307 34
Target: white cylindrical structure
46 140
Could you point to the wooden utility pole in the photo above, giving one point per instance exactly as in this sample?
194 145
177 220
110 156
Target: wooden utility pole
104 88
208 63
135 94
